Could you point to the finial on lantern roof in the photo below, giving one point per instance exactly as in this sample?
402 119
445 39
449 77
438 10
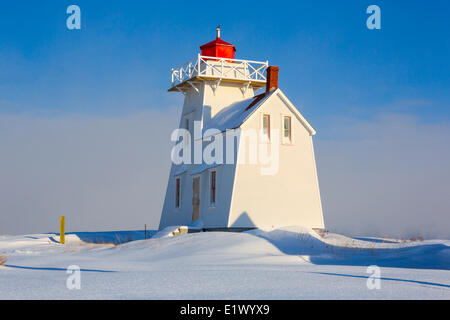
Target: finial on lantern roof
218 32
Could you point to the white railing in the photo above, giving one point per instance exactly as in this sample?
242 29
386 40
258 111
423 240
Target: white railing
220 68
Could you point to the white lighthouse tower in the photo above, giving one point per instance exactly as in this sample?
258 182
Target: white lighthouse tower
220 93
215 79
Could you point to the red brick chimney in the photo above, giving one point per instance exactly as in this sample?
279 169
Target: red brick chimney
272 78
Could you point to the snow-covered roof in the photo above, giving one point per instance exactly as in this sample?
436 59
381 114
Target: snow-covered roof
180 170
234 116
199 168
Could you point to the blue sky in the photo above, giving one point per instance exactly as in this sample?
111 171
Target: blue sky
331 64
85 116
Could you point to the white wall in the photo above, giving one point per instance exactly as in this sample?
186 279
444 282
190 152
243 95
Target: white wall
216 217
225 95
201 106
290 197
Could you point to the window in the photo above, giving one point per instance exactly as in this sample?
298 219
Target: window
266 126
177 192
186 126
287 131
213 188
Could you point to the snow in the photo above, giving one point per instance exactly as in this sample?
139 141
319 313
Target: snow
167 232
180 170
284 263
197 224
234 115
199 168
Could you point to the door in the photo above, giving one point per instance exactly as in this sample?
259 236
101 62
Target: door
195 198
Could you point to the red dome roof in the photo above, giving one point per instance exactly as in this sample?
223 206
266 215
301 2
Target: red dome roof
218 48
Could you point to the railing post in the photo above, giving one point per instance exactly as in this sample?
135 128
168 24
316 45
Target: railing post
62 232
245 69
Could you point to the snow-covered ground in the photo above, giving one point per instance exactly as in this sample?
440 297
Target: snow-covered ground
287 263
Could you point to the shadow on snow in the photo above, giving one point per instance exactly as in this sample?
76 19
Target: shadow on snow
53 269
384 278
420 256
106 237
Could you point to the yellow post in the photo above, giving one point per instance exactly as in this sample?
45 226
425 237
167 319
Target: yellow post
62 236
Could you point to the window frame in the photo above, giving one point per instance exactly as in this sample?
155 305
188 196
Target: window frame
289 139
177 192
187 139
266 135
212 188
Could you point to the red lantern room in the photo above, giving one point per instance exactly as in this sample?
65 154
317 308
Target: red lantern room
218 48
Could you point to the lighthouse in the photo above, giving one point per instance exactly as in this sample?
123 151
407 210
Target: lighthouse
239 187
215 79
